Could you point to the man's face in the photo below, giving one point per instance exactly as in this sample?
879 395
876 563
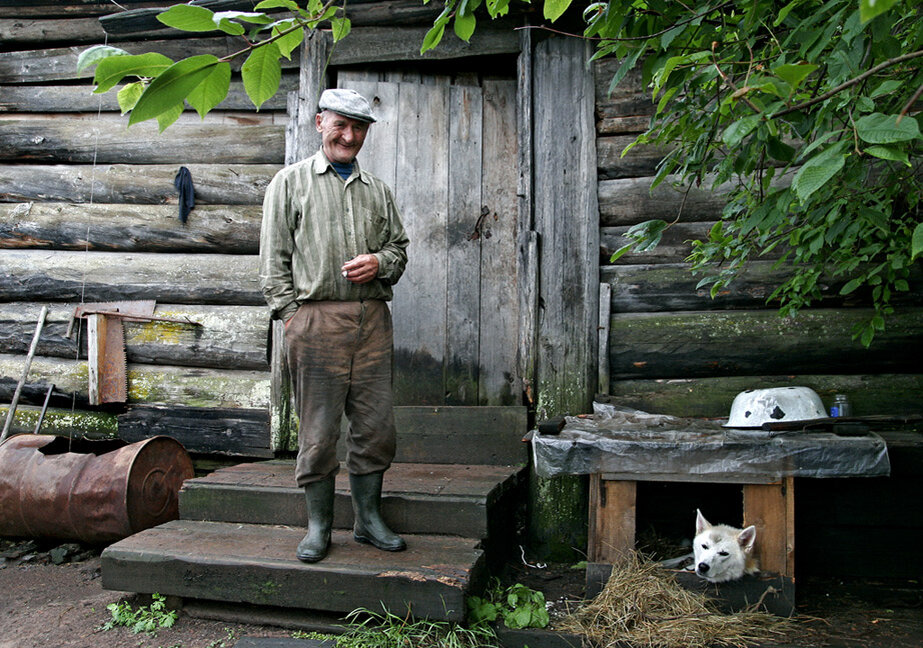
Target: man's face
341 136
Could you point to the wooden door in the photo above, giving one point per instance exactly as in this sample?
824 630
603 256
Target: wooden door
449 152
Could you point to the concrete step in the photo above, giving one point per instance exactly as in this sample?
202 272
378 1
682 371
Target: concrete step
464 500
255 564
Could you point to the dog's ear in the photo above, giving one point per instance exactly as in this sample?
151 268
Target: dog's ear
747 538
701 524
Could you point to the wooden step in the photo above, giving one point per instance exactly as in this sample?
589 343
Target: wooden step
451 499
255 564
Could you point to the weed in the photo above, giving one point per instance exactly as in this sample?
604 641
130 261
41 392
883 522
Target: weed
227 642
368 629
147 619
518 605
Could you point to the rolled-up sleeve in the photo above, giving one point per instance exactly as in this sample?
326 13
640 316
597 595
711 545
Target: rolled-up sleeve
277 245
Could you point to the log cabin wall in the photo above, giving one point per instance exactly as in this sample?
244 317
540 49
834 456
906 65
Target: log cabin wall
673 349
88 213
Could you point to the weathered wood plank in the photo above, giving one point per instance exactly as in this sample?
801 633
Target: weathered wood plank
82 141
640 161
50 99
887 394
224 229
499 238
565 219
72 423
49 8
628 98
221 184
230 337
527 239
37 275
363 45
238 432
613 518
674 246
664 287
302 139
255 563
771 509
748 343
45 31
464 236
629 201
420 299
147 384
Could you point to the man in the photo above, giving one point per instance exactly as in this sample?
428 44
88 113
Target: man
331 247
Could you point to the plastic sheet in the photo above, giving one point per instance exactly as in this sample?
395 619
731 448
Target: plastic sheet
631 444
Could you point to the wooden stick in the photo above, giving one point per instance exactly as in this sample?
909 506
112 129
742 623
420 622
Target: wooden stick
25 373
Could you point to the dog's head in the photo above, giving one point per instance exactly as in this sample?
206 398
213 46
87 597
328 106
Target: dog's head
722 553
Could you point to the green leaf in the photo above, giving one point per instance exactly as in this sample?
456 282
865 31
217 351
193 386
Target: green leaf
735 133
172 86
889 153
188 18
817 171
886 88
340 28
262 73
884 129
169 116
554 9
113 69
868 9
291 5
290 41
128 96
464 26
95 54
794 74
916 242
212 91
432 38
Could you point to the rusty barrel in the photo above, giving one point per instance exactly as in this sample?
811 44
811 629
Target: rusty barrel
91 491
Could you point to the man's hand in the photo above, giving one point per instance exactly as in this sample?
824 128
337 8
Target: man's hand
362 269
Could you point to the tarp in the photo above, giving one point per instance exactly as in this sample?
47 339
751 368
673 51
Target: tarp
631 444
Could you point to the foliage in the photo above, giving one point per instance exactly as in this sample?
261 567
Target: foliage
518 606
368 629
147 619
156 87
801 112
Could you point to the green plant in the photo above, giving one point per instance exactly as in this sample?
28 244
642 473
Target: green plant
147 619
368 629
518 606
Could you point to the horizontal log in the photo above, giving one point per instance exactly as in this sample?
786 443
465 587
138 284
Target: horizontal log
49 8
363 45
629 201
81 99
228 337
79 424
36 275
235 432
391 12
147 384
674 247
749 343
81 142
224 229
221 184
882 394
628 98
640 161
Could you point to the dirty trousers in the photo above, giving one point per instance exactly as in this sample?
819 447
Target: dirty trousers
339 356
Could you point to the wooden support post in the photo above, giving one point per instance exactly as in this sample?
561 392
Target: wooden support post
613 515
771 508
96 344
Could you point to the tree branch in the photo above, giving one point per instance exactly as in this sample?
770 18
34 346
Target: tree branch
848 84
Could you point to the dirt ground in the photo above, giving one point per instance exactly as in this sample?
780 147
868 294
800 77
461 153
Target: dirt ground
63 605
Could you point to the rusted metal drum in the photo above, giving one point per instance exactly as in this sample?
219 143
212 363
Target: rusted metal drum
91 491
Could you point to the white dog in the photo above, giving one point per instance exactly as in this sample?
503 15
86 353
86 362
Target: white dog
723 553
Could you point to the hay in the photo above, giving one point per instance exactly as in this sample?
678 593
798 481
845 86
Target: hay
642 605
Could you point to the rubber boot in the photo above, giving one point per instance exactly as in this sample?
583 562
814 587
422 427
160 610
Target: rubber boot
369 528
319 497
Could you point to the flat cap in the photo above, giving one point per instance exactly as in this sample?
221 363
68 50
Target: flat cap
346 102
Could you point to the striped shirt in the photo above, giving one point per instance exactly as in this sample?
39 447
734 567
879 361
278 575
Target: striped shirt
313 222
